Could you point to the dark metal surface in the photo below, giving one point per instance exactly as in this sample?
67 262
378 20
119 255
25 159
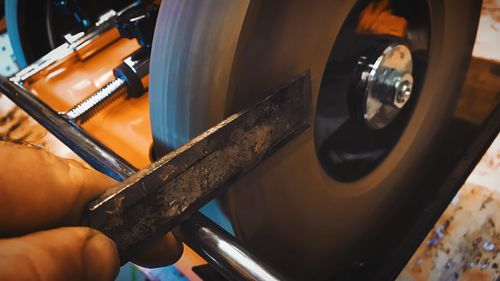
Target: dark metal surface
219 250
156 199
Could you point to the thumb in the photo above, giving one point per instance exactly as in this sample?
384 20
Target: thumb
70 253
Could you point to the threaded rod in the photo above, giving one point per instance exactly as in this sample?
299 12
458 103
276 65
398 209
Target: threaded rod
92 105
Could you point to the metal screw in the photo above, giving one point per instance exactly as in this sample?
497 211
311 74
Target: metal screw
89 107
127 82
403 91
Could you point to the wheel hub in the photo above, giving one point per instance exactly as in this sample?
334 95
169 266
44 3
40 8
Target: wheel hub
387 84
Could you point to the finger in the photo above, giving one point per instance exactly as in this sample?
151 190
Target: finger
72 253
165 252
39 190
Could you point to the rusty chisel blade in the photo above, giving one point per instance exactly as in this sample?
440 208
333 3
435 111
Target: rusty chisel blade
153 201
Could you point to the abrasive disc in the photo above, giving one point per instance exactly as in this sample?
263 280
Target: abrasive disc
213 58
191 61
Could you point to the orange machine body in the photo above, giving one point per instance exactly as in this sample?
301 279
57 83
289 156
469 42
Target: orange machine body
123 126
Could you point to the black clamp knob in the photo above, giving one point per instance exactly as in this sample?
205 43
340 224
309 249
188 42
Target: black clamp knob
132 70
139 23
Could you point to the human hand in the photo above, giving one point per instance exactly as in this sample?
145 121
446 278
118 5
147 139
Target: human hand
42 198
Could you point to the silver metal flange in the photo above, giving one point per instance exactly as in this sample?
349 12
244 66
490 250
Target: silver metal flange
387 84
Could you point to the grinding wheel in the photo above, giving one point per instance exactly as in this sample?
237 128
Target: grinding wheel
303 209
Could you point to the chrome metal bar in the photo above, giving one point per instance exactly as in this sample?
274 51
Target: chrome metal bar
57 55
89 149
207 239
222 250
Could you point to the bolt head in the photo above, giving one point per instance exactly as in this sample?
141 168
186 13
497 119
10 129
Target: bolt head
402 91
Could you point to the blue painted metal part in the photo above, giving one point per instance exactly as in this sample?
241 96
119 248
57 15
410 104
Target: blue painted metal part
11 18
